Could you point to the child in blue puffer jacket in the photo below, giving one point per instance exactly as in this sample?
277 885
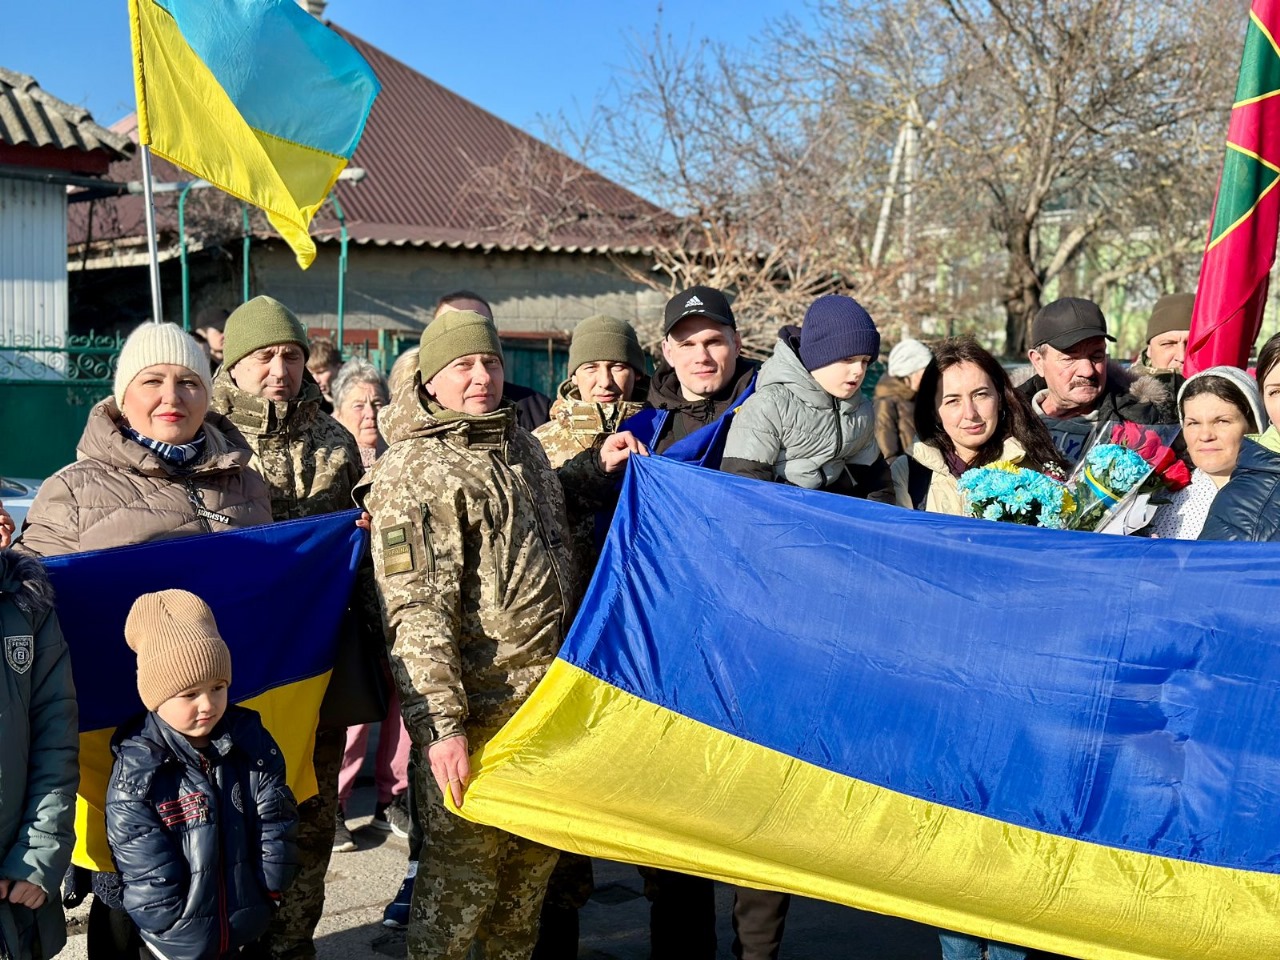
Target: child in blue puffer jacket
199 817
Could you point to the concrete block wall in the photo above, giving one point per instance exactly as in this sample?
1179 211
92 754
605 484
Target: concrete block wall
397 287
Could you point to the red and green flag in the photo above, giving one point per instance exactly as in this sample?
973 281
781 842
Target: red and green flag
1242 238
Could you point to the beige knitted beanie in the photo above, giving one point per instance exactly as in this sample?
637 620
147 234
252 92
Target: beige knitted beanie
154 343
454 334
178 645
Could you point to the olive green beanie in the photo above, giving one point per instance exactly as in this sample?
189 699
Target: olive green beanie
607 339
454 334
262 322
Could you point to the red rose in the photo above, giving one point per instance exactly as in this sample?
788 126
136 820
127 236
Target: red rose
1162 459
1150 447
1177 476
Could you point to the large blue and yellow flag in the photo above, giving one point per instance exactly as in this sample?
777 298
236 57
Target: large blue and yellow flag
1053 739
278 593
255 96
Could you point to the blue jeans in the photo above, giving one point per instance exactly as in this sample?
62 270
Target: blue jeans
961 946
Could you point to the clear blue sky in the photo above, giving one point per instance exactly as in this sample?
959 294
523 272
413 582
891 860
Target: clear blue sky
520 59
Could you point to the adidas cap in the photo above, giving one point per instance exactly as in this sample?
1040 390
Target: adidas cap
698 302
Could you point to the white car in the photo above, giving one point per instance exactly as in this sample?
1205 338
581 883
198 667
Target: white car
16 496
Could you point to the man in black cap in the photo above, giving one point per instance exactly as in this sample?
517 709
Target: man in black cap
701 377
699 381
1075 389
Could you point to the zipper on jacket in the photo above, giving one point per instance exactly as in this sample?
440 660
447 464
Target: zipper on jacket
224 924
546 545
839 428
197 504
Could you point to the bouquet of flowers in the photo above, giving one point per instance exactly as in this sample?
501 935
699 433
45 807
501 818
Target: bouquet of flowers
1117 476
1152 444
1007 493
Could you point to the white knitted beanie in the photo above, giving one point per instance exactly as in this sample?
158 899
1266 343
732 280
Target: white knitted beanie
155 343
908 357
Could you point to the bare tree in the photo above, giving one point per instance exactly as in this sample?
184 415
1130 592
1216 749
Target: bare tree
1084 108
767 207
930 156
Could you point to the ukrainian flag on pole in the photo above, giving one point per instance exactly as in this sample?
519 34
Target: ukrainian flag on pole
255 96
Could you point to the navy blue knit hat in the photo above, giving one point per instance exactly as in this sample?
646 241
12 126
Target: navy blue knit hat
834 328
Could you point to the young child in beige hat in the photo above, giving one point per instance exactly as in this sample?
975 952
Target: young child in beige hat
199 817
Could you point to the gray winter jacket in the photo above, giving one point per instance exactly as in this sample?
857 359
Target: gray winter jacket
808 436
39 756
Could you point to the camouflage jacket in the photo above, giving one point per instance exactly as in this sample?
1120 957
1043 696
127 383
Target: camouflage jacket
575 428
471 554
309 460
576 425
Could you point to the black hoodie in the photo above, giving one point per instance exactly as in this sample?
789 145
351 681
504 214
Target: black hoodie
690 416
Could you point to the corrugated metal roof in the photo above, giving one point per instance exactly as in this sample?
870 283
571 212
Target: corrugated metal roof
443 170
442 173
33 117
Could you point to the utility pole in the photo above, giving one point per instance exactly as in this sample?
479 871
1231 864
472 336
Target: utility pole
886 205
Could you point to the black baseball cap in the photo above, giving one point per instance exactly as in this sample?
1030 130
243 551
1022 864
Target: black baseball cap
698 302
1064 323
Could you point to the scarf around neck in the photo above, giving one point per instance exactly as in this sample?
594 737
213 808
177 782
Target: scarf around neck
178 454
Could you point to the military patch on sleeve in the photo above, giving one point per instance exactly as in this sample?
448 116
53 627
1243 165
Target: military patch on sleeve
397 550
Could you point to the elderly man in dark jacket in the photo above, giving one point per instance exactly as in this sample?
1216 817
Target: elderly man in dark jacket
39 768
1075 390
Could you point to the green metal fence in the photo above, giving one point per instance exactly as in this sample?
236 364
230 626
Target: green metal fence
47 387
538 362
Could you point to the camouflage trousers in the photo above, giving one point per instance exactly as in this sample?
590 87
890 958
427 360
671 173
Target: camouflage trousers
572 882
476 884
292 931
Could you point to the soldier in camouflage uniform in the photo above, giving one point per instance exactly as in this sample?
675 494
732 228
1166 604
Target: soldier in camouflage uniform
311 464
471 553
606 384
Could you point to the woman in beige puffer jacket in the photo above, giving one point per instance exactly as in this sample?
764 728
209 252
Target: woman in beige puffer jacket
119 492
153 462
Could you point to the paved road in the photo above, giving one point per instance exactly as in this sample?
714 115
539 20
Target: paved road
614 923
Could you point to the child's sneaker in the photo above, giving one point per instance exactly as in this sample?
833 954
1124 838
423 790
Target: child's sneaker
396 913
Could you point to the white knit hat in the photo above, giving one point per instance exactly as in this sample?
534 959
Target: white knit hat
1247 386
908 357
155 343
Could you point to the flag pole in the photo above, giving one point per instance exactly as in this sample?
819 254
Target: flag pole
153 249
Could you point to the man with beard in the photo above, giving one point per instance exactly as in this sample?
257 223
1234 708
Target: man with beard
1075 389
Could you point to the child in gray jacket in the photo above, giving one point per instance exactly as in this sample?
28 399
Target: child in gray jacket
807 423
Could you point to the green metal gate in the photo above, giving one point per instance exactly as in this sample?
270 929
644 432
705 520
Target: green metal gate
46 391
